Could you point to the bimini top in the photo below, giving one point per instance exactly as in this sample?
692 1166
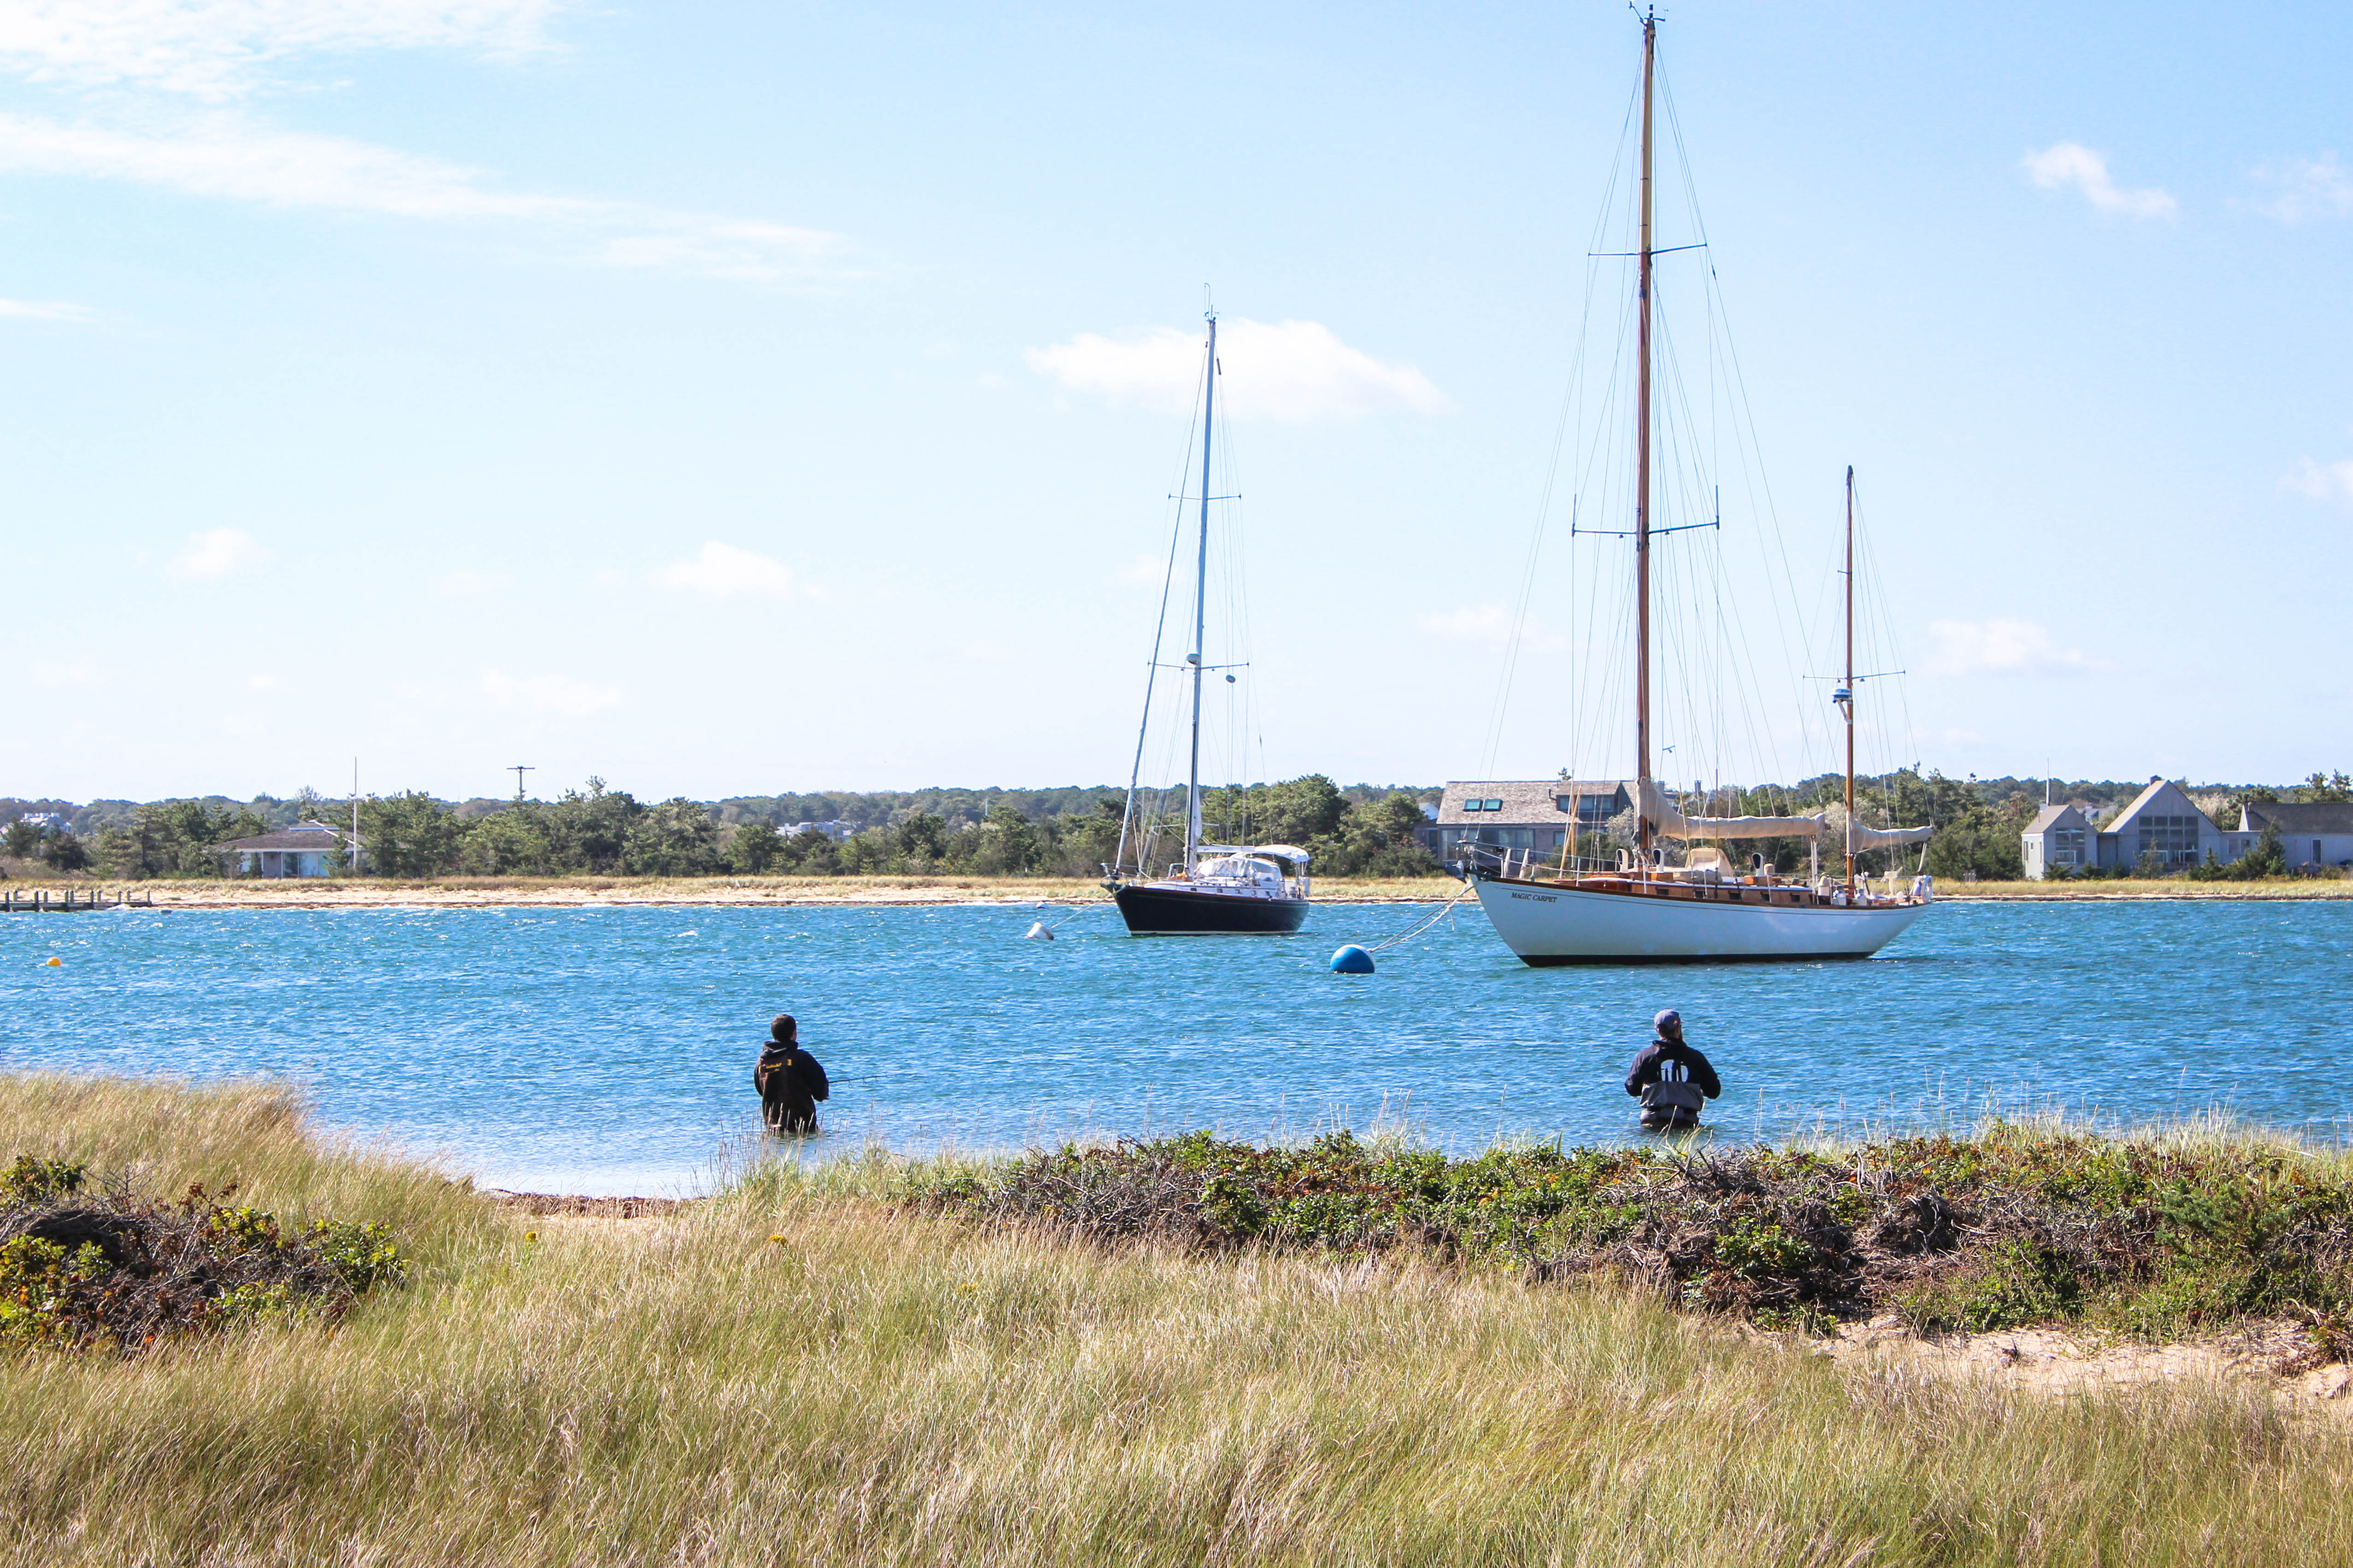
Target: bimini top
1281 851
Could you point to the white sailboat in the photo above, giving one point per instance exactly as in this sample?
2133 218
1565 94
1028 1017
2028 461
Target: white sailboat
1703 911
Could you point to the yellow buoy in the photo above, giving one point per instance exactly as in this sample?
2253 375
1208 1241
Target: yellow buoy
57 963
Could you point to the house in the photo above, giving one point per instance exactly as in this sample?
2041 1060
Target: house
2312 835
305 850
2162 827
1522 814
2059 839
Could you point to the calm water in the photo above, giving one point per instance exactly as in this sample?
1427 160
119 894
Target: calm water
609 1049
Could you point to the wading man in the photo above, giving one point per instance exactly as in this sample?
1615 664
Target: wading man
790 1079
1671 1078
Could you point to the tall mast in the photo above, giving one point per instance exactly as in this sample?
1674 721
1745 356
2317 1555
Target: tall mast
1642 479
1201 604
1846 687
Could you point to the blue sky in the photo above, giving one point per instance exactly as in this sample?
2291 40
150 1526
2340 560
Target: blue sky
743 398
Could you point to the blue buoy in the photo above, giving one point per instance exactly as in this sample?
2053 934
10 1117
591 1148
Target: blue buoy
1352 959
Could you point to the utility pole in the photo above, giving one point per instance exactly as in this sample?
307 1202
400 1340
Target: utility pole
519 769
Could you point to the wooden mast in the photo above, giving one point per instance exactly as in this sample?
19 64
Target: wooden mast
1846 687
1642 477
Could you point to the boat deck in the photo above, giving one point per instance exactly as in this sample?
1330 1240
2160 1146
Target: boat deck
1741 890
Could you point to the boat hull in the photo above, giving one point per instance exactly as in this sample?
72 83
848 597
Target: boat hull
1547 925
1185 912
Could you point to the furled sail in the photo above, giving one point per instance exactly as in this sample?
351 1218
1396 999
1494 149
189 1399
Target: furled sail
1862 836
1668 822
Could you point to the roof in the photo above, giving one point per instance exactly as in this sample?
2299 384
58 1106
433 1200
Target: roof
309 835
1525 801
2325 818
2051 816
2158 794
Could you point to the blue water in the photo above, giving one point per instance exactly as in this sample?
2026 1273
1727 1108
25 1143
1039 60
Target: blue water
609 1050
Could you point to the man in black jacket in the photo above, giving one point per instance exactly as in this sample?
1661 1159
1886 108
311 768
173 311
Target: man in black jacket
790 1079
1670 1077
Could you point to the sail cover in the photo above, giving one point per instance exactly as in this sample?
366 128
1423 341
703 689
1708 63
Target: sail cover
1669 823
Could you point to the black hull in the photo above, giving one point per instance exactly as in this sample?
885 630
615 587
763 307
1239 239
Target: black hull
1178 911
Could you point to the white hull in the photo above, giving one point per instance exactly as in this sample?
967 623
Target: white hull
1546 924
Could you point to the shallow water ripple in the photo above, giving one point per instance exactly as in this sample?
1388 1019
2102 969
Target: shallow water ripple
609 1049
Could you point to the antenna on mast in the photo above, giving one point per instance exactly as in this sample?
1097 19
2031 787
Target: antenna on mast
519 769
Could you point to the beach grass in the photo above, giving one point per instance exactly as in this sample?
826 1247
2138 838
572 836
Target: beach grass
802 1370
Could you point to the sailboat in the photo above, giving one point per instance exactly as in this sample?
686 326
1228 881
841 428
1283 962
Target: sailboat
1704 909
1216 888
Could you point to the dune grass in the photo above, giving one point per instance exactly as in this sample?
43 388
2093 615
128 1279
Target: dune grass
798 1371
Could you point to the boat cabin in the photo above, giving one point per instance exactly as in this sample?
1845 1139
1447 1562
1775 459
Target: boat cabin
1268 870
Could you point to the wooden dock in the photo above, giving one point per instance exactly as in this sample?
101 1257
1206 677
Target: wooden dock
16 901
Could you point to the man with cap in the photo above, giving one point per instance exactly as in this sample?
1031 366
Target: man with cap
1671 1078
790 1079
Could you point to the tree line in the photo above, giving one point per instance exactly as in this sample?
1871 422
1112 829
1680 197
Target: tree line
1358 830
600 831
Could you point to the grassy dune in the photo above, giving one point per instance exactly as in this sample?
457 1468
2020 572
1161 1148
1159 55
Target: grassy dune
799 1372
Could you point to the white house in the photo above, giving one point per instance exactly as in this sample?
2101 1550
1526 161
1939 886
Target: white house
2161 821
2059 839
2312 835
305 850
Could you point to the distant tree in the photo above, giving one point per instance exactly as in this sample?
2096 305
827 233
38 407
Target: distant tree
755 847
590 832
22 839
409 834
1380 838
67 852
676 839
1980 841
922 838
510 842
1007 845
2328 789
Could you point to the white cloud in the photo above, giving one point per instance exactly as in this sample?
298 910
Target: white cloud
555 694
2004 648
723 571
217 49
227 155
1143 569
218 552
44 311
1291 371
2070 164
464 584
2321 482
263 681
2305 188
46 672
1490 625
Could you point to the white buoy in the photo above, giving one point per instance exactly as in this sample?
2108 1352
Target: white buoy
1038 933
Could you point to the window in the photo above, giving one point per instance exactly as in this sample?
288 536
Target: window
1494 805
2172 839
2063 847
1475 806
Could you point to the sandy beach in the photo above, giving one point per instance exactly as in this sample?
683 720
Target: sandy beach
583 892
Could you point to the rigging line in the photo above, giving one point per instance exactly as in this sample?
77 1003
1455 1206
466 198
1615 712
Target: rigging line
1722 311
1442 910
1159 629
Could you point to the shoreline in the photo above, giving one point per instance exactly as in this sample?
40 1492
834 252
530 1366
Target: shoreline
929 892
